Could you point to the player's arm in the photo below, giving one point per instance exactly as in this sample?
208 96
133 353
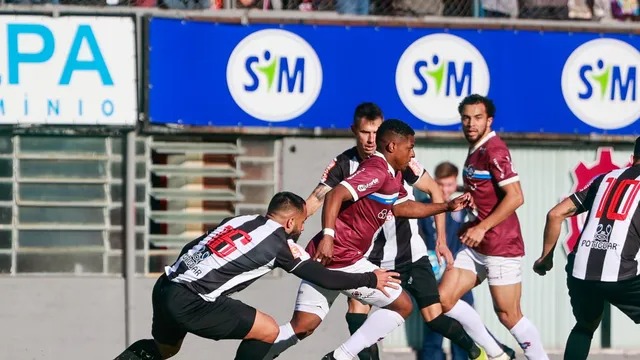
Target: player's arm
428 185
333 174
294 259
416 210
332 204
316 273
575 204
512 200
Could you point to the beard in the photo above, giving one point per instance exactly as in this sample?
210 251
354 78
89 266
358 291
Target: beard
295 235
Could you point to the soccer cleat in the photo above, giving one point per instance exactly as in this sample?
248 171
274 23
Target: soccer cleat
509 351
482 356
329 356
503 356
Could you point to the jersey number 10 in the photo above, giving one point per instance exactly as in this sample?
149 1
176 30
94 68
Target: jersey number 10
616 210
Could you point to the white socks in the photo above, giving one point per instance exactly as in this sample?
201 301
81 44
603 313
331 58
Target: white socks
286 339
470 320
378 325
529 339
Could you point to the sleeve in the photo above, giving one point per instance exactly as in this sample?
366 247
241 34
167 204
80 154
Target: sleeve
291 256
332 174
413 172
315 273
501 166
403 195
367 179
583 199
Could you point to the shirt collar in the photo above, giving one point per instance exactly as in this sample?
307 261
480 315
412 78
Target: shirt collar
389 167
482 142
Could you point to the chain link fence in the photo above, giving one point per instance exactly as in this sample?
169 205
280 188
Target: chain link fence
590 10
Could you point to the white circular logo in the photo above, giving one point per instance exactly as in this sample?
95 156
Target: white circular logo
274 75
600 85
435 73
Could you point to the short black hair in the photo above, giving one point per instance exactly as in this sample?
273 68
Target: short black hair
392 126
285 200
366 110
478 99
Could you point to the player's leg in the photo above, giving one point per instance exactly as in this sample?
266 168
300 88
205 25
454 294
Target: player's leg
167 334
424 288
432 346
466 273
587 304
505 276
312 305
257 342
356 316
391 314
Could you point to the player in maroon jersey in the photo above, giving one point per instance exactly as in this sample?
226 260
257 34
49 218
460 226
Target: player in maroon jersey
494 240
353 214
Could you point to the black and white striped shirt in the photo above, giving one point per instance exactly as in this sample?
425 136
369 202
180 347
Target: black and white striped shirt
234 255
398 243
608 247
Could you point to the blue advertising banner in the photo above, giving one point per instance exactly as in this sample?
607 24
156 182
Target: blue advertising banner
300 76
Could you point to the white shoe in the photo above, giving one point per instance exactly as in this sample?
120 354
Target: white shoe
502 356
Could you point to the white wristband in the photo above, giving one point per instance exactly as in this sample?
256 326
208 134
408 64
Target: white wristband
330 232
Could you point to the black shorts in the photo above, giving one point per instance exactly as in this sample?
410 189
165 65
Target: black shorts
420 281
588 297
178 311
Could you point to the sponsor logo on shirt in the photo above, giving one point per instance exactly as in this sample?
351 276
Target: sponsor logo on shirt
495 163
295 251
356 173
363 187
414 165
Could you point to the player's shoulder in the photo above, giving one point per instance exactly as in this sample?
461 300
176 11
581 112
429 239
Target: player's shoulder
348 155
496 143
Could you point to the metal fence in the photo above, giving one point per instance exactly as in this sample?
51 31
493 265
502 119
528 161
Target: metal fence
589 10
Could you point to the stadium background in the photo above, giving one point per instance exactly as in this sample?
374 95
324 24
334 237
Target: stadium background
167 139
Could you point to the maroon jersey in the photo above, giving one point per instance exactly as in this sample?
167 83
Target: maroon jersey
375 188
488 167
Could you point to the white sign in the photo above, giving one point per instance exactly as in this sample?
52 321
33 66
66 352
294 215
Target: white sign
274 75
67 70
600 83
435 73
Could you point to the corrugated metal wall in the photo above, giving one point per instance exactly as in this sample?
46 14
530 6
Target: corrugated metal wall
545 174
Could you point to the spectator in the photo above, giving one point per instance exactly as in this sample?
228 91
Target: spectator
352 7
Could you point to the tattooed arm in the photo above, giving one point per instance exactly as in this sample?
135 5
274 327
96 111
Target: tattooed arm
316 199
552 227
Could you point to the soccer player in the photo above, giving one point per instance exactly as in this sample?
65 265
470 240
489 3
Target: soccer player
494 240
353 212
603 266
192 295
446 176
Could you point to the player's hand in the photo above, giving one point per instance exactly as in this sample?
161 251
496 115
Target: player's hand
543 264
324 252
387 278
442 251
473 236
459 203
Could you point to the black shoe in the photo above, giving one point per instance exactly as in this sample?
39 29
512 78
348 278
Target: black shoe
329 356
509 351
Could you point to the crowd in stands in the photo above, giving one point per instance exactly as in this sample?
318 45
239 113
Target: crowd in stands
598 10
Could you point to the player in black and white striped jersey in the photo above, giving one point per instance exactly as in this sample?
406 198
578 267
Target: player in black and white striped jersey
192 295
605 263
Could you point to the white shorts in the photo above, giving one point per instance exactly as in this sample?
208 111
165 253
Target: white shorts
316 300
499 270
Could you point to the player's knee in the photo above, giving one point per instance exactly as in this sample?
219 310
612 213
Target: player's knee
587 328
269 329
402 305
509 318
447 301
304 324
